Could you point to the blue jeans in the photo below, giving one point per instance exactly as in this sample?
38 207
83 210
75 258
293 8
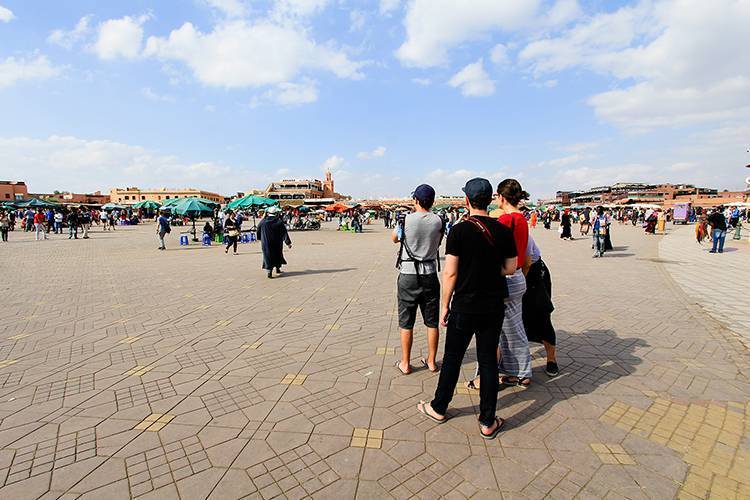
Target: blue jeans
599 243
719 237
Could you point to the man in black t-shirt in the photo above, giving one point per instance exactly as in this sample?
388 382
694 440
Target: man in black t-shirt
480 252
719 225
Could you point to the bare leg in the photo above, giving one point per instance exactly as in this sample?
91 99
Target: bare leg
551 352
433 337
407 338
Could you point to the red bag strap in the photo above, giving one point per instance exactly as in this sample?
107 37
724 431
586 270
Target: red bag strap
483 229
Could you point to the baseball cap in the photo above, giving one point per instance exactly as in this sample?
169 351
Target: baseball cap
478 189
425 194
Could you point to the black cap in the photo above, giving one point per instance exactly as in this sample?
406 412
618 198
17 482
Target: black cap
425 194
478 189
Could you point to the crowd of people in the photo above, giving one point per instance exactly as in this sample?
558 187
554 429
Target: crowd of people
495 288
73 220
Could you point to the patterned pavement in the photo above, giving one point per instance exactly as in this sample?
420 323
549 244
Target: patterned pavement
127 372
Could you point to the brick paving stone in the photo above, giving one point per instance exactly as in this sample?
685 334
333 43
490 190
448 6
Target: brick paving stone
223 384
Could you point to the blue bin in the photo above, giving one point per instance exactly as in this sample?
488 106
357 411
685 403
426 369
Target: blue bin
184 240
206 240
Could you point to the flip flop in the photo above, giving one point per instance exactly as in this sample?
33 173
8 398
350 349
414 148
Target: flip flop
424 363
494 434
398 367
471 385
421 408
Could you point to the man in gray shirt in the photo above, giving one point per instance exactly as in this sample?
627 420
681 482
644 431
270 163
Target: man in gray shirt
419 234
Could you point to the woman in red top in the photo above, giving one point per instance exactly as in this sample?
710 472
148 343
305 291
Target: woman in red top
515 362
39 221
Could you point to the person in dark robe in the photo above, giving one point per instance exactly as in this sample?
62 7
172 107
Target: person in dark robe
272 235
566 224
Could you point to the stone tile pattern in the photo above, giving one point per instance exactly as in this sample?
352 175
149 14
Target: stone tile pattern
233 385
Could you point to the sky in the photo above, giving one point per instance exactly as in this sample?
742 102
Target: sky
228 95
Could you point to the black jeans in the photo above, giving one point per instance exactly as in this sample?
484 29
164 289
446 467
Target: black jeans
4 233
232 241
461 327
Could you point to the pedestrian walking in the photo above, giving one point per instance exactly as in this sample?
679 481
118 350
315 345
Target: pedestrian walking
479 253
162 229
600 227
40 221
85 223
272 234
231 232
419 236
72 221
58 222
4 225
105 220
718 224
565 225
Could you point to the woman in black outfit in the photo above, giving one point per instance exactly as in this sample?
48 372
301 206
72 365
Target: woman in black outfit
566 225
231 232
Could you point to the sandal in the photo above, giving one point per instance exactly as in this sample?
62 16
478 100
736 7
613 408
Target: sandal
471 384
422 408
494 433
506 381
424 363
398 367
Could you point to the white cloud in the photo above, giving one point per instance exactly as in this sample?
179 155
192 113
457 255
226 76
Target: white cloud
567 160
378 152
473 81
68 38
422 81
6 15
240 54
296 9
499 55
230 8
562 12
120 38
293 94
433 27
153 96
89 165
209 108
333 163
14 70
387 7
674 67
357 20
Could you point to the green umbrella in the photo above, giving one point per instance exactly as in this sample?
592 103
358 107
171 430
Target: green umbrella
250 201
112 206
191 208
36 203
148 205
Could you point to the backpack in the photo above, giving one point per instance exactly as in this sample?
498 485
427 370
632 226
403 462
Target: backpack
412 258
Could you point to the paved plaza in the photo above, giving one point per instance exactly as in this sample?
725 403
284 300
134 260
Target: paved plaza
129 372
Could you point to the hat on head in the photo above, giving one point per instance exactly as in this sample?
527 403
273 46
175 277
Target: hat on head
425 194
478 189
273 210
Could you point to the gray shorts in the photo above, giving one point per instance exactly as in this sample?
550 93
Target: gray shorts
421 291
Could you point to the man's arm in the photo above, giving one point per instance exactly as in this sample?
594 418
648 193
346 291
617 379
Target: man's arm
449 284
394 236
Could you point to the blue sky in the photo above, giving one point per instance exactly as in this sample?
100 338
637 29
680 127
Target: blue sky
228 95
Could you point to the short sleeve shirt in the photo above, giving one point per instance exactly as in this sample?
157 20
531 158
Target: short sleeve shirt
480 284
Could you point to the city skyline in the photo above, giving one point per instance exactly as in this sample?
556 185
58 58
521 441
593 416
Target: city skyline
226 95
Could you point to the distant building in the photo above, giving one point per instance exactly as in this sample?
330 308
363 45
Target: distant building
296 191
132 195
625 193
96 198
13 190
